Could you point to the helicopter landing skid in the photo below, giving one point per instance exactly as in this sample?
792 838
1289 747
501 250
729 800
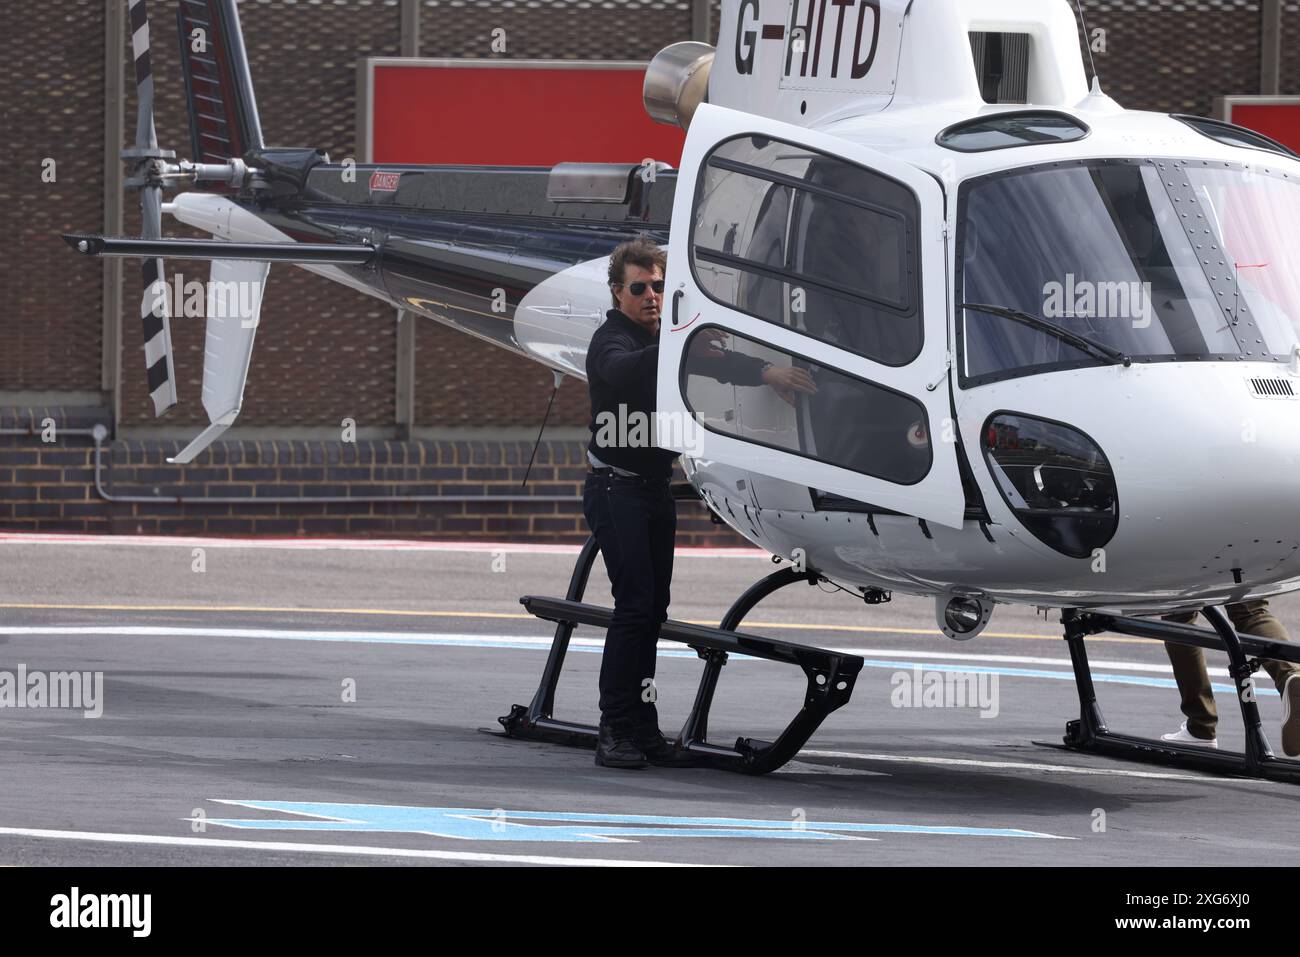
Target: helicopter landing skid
830 674
1090 733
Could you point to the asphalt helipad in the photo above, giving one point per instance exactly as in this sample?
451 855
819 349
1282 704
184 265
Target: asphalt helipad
274 703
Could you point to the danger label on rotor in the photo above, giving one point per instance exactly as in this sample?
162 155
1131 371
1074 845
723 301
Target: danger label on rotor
383 182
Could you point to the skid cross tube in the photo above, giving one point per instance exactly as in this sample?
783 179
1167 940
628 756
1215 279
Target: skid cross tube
830 675
1090 732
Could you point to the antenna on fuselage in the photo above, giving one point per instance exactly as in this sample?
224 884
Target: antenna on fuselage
1087 42
559 377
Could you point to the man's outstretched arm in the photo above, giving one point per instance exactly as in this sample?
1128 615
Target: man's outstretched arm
615 359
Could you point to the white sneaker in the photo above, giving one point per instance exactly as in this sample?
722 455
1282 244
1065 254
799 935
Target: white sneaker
1183 736
1291 717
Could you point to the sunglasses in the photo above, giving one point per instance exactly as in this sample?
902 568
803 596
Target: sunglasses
638 288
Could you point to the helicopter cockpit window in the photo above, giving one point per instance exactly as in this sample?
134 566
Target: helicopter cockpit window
844 421
793 236
1004 130
1131 255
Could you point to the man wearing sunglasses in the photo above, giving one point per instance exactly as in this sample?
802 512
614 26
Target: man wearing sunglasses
627 501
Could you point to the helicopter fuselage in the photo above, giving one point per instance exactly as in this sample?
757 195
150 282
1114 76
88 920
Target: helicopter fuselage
1201 454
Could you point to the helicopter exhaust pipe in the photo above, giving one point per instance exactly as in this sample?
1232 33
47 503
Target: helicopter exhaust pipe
677 82
962 617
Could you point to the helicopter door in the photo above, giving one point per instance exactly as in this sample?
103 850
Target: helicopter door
818 264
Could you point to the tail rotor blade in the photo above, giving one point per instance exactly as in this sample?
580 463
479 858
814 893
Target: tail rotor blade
146 135
155 311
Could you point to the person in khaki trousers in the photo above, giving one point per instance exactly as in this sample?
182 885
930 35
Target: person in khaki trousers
1249 618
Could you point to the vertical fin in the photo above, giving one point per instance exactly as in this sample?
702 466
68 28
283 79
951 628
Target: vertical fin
224 122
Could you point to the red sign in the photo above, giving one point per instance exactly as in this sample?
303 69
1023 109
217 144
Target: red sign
381 181
1277 117
509 113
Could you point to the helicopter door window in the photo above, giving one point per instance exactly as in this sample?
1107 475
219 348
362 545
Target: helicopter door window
759 294
846 422
803 239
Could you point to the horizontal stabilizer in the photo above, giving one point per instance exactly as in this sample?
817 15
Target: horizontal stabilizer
128 247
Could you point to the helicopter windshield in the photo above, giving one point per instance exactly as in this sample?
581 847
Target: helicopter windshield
1167 260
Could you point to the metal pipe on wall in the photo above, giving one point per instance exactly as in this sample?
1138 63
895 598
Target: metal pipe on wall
99 434
702 20
1270 47
114 199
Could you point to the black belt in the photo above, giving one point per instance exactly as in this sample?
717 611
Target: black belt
615 476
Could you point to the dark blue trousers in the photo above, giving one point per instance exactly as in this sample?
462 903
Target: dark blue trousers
635 525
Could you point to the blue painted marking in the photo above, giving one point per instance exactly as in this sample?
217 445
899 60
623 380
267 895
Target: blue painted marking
508 643
483 824
899 664
867 663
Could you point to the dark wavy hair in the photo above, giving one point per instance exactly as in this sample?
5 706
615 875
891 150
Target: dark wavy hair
641 251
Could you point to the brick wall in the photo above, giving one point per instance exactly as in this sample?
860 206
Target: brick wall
326 352
51 109
51 487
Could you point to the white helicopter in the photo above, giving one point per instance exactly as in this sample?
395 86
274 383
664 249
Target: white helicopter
1055 341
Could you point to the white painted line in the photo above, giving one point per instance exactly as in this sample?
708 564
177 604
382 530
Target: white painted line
484 638
338 544
363 850
1025 766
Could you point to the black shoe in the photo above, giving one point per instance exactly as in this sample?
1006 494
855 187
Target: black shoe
615 748
662 754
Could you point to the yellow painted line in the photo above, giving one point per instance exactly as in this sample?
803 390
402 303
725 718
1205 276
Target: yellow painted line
401 613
